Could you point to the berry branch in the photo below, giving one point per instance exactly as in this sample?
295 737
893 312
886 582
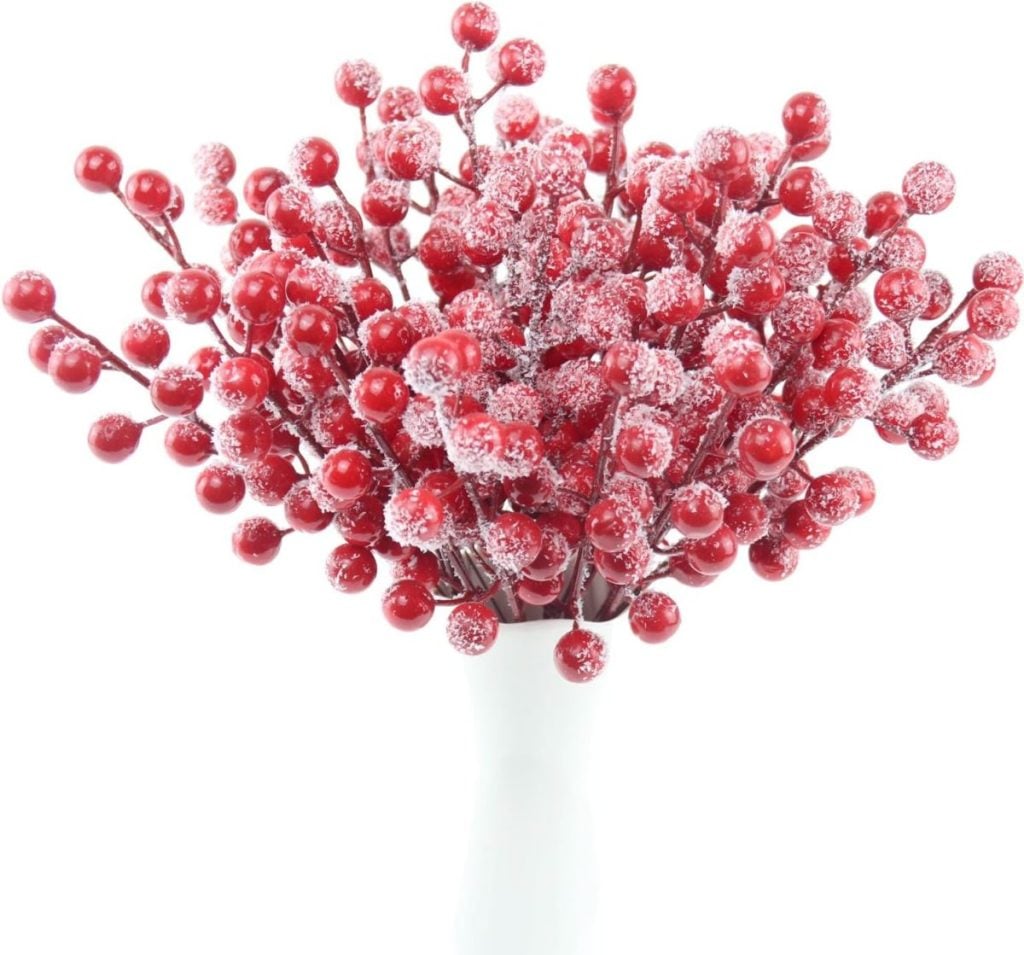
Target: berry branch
527 402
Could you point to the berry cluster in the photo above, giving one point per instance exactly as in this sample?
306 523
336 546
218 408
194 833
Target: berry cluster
584 370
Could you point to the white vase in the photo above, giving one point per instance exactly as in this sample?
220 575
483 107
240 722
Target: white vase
530 879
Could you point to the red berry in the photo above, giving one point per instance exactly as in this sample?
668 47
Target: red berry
187 442
74 365
611 91
220 488
580 655
805 117
713 554
114 437
697 511
883 212
241 383
145 343
257 540
311 330
722 154
928 187
192 295
244 437
42 343
357 83
747 517
832 499
29 296
474 27
259 185
351 568
408 605
99 169
998 270
521 62
258 298
902 294
992 313
177 391
654 616
612 525
443 90
214 163
539 593
800 529
314 161
773 558
346 474
472 628
302 512
513 541
380 395
766 447
414 517
148 193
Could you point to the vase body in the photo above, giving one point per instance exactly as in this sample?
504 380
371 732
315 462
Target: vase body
530 885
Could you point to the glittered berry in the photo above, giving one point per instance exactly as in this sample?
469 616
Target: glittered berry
114 437
472 628
521 62
475 27
357 83
654 616
611 91
928 187
408 605
314 161
580 655
257 540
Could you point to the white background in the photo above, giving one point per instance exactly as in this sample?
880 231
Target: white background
199 756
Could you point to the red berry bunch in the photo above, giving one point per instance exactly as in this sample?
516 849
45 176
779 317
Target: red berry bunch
537 382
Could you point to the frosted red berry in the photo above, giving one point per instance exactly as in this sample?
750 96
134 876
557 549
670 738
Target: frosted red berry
580 655
99 169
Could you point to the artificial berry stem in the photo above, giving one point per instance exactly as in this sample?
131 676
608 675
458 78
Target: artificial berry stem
594 395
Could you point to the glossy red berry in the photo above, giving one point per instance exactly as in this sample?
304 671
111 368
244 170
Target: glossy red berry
258 298
351 568
580 655
145 343
241 383
29 296
177 391
611 91
257 540
187 442
148 193
346 474
408 605
697 511
192 296
74 365
99 169
766 447
114 437
654 616
805 117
